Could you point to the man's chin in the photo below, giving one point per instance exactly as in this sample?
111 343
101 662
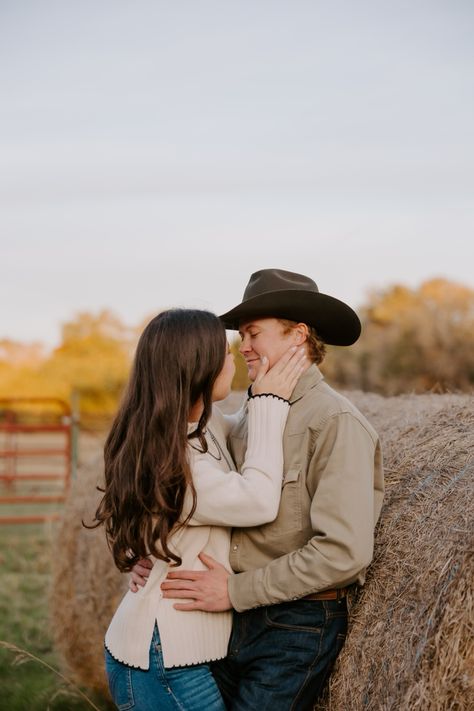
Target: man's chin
252 372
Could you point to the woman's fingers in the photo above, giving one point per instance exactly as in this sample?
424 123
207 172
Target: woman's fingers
288 356
283 376
288 363
293 363
262 369
293 370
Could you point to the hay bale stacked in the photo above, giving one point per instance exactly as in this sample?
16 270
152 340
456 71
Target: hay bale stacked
410 639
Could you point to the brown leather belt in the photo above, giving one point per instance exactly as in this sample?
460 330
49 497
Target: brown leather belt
335 594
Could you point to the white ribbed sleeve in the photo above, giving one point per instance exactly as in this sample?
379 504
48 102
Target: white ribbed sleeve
252 497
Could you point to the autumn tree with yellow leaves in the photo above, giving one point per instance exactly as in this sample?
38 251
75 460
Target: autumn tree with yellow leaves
92 363
412 340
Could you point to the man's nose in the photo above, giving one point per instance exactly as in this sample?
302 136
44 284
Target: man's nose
245 345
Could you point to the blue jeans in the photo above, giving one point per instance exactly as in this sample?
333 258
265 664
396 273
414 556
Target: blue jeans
280 656
177 689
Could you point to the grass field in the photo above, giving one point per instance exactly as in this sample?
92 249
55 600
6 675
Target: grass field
25 684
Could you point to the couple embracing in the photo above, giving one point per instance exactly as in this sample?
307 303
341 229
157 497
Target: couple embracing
244 533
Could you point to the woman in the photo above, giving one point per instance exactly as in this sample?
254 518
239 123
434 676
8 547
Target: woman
171 493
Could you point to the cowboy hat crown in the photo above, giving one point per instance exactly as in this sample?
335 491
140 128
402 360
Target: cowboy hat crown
281 294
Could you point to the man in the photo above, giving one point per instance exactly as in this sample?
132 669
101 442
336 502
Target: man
292 576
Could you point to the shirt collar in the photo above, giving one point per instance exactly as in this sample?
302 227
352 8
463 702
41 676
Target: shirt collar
308 380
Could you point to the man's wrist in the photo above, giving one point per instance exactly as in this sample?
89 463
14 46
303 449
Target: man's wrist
233 586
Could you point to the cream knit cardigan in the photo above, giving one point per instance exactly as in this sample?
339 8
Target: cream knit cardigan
224 498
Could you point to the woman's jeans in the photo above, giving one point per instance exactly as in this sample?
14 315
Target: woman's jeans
180 688
280 656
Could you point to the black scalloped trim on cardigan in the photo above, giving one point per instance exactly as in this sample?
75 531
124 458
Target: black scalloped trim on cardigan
120 661
277 397
179 666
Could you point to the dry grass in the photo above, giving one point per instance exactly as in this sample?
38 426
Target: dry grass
28 661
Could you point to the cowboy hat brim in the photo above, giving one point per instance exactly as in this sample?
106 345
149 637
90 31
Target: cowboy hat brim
335 322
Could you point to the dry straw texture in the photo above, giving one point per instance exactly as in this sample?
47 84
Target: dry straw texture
86 585
410 643
410 640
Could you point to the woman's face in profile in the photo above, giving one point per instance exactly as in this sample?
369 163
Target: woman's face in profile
224 380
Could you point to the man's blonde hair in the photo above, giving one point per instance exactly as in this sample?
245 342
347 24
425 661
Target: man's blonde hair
316 347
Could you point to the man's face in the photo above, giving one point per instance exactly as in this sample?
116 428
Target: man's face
263 337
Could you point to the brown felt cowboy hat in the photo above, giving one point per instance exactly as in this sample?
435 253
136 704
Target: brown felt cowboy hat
280 294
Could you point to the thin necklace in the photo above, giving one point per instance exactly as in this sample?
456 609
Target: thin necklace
220 451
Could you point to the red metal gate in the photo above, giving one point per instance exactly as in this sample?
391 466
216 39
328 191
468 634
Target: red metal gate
37 454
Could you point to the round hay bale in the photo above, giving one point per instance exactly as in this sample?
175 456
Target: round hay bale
410 642
86 586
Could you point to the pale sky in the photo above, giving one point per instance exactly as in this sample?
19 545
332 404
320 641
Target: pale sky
155 153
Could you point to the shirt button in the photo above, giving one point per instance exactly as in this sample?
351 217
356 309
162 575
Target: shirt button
234 548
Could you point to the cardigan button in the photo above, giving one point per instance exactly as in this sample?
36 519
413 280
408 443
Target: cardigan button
234 548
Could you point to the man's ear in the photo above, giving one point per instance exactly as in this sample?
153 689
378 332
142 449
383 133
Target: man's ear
301 333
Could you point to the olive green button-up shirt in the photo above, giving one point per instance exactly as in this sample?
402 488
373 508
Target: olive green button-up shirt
332 493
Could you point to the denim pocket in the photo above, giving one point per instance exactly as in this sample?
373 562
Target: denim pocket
296 616
120 683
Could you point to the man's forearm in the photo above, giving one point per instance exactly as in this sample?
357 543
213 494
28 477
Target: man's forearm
295 575
343 514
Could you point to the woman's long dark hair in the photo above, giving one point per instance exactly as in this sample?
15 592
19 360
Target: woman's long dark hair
178 358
